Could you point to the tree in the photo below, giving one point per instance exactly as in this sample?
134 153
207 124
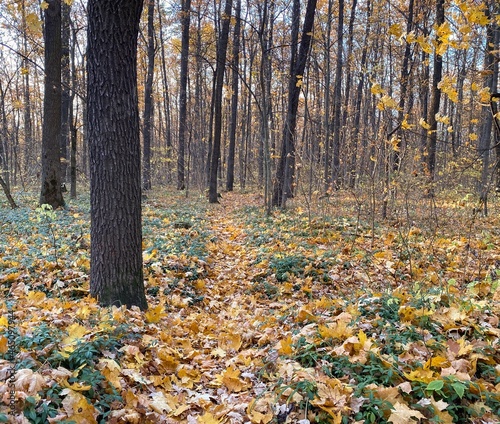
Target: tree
51 192
435 96
116 274
234 98
185 22
286 165
148 101
219 84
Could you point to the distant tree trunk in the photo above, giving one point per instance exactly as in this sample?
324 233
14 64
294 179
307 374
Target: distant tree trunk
286 165
491 69
405 76
327 127
28 127
4 151
51 132
358 103
234 98
116 274
148 101
337 98
73 128
435 98
219 83
265 105
185 22
6 190
347 71
65 88
166 99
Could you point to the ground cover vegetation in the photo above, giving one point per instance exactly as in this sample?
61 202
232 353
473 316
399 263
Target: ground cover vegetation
310 315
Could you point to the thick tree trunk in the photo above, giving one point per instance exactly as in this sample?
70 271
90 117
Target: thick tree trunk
116 274
148 102
51 132
185 22
286 165
219 83
234 99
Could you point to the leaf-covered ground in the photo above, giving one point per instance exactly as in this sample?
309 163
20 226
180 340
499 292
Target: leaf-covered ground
302 317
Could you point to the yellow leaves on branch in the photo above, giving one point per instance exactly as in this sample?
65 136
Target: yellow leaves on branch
447 85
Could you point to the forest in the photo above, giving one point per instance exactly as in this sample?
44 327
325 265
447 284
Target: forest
242 211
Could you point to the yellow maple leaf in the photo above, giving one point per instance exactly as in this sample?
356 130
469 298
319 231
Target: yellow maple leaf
75 333
338 330
396 30
424 124
229 341
77 407
4 322
154 315
403 414
231 379
111 370
285 346
4 344
36 297
160 403
207 418
76 386
377 89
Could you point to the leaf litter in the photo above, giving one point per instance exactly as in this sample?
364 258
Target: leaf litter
252 319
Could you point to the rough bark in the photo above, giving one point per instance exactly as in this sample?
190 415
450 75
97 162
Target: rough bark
219 83
185 22
116 273
148 102
435 98
65 89
286 164
337 99
51 192
234 98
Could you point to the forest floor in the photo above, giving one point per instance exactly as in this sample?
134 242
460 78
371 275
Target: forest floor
321 315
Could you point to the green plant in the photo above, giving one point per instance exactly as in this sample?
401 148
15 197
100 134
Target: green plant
47 216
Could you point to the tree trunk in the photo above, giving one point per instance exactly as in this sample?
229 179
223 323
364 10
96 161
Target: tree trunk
28 127
185 22
116 274
148 101
435 99
6 190
327 127
285 171
405 76
234 98
491 69
166 99
72 121
51 131
65 88
358 102
337 99
219 83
